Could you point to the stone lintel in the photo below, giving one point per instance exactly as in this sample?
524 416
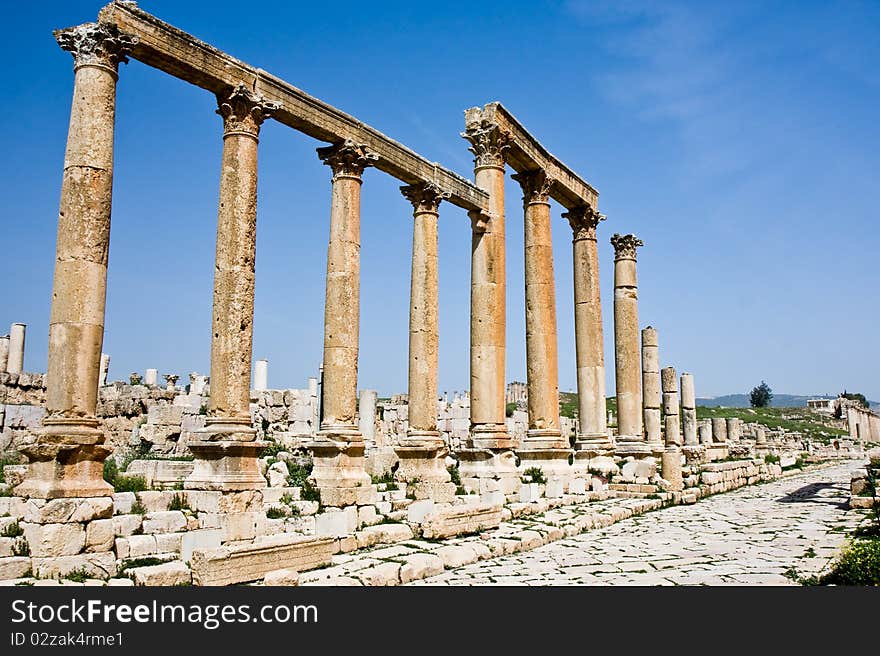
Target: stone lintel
177 53
525 153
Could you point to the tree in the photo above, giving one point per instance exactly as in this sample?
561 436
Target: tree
859 398
761 395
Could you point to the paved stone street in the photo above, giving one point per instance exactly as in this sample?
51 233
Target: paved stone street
749 536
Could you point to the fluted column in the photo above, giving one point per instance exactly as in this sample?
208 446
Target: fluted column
593 438
422 451
338 451
626 347
226 453
67 459
651 398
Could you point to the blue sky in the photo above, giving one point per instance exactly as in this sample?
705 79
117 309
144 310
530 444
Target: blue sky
738 140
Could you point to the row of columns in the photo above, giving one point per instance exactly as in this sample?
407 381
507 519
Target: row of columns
67 458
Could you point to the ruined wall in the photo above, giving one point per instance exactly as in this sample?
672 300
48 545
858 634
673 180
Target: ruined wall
863 424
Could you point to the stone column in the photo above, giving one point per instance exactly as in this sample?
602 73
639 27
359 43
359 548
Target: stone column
104 370
671 459
543 446
151 377
15 359
592 439
261 375
367 414
734 430
689 410
760 442
4 352
171 382
422 452
67 459
706 432
651 398
489 454
630 440
226 456
338 449
719 430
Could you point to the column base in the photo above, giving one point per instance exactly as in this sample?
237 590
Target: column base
227 429
338 469
657 448
717 451
491 436
489 470
422 466
57 470
226 465
593 445
552 461
632 446
694 453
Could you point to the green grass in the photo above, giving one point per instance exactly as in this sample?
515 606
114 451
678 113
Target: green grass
791 420
178 502
78 575
12 530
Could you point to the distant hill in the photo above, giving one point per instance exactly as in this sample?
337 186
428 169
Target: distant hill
779 401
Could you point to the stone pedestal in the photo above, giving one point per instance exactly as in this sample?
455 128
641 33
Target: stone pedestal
719 430
592 439
68 457
226 465
489 470
670 467
705 429
630 440
338 468
422 466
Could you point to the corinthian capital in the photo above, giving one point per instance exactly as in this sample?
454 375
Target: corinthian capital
243 111
96 44
347 159
583 219
536 186
625 246
424 196
488 143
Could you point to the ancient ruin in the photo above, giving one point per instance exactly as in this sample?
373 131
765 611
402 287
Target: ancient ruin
222 479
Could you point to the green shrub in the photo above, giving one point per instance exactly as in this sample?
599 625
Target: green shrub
12 530
770 459
137 508
121 482
385 477
78 575
509 409
454 474
146 561
536 474
178 502
858 564
274 512
298 476
21 548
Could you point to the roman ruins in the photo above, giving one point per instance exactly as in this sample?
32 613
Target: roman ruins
226 480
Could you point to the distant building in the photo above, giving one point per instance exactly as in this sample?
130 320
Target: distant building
825 406
516 392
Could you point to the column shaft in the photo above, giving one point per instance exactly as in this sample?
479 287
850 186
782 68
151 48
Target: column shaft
15 358
67 459
670 406
689 410
626 342
542 361
651 397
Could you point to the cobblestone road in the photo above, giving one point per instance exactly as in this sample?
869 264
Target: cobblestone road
746 537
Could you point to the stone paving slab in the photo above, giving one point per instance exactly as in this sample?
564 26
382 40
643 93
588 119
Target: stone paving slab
749 536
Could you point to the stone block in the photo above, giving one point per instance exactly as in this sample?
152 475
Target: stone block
168 542
120 583
169 415
240 525
529 492
50 540
58 511
141 545
418 510
14 567
124 525
171 573
122 548
166 521
229 565
456 555
383 534
495 498
367 516
577 486
240 502
336 523
459 520
122 502
281 577
382 574
154 501
96 565
204 501
100 535
420 566
203 539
